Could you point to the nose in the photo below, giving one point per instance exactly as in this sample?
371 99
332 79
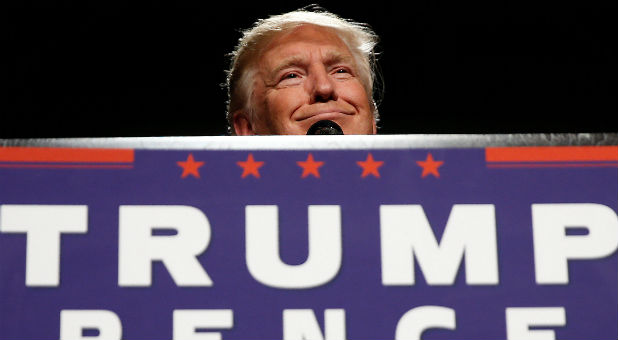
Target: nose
323 88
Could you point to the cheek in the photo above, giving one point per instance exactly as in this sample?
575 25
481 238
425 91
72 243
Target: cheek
354 93
282 103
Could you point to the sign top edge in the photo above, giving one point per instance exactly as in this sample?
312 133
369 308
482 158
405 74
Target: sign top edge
323 142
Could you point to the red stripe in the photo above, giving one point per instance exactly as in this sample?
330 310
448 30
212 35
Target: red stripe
67 155
68 166
551 165
552 154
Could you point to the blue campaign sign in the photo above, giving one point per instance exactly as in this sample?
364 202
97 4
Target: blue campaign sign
317 242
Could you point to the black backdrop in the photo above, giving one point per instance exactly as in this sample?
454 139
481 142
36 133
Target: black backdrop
91 69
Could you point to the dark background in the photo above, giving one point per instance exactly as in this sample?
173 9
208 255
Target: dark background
91 69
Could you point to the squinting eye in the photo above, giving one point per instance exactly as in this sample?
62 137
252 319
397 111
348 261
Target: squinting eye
292 75
291 78
342 73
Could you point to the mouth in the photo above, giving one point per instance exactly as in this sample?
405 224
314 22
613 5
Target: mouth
324 115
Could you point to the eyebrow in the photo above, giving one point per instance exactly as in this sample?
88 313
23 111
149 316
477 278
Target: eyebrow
333 57
295 60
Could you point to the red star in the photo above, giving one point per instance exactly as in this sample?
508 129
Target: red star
250 167
310 167
190 167
430 166
370 167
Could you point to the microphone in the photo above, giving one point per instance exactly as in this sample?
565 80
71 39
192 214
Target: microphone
325 127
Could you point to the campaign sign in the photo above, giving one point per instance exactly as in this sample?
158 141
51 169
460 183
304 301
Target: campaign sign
375 243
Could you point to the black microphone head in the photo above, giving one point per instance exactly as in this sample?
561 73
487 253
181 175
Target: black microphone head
325 127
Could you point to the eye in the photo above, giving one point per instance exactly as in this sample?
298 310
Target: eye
291 75
342 73
290 78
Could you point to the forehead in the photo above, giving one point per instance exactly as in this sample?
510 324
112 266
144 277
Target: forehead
302 40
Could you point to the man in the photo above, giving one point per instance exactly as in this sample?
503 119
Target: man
292 70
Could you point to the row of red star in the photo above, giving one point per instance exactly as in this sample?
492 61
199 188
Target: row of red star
310 166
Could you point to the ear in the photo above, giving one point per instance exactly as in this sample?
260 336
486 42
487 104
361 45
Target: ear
242 124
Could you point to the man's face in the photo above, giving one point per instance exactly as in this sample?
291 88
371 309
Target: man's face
304 76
